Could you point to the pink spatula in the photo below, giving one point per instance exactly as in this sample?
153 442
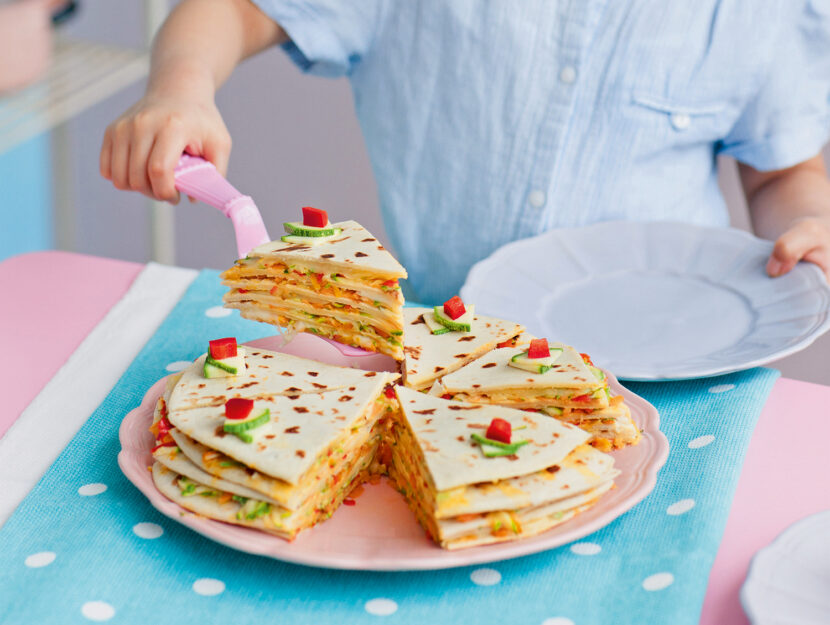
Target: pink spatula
198 178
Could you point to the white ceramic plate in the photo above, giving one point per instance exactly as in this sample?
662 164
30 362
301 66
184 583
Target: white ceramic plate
379 532
655 301
789 580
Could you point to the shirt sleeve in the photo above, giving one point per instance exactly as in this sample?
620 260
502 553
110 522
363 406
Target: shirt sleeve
788 119
327 37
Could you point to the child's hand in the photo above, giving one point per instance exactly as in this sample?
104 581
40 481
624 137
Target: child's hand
141 148
807 239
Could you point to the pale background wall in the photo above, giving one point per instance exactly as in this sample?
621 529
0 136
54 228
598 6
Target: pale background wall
296 142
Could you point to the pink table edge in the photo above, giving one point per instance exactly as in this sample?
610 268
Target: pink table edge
64 296
88 287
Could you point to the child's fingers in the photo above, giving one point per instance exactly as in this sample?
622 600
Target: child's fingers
162 162
106 155
120 160
795 244
217 150
140 149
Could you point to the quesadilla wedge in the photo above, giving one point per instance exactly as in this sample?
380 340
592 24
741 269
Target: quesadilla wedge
611 428
343 287
448 480
569 382
430 356
267 375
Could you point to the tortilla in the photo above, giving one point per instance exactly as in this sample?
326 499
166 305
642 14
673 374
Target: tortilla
301 428
430 356
442 430
489 379
268 374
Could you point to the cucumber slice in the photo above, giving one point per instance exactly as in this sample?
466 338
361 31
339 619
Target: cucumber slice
535 365
553 411
237 426
463 324
433 325
294 238
301 230
226 367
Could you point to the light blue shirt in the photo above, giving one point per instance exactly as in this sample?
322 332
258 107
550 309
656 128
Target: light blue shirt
487 122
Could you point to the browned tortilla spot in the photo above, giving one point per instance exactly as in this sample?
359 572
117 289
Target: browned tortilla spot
429 411
488 365
553 469
366 240
460 355
420 319
457 407
360 254
294 248
220 431
477 425
371 374
437 369
315 385
467 338
300 453
294 429
346 398
300 409
313 374
287 373
327 256
270 436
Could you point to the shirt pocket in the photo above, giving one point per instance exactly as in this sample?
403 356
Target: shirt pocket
676 123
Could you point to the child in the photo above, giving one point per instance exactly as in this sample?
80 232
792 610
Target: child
491 121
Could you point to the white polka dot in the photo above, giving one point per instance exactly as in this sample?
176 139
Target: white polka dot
179 365
381 607
218 311
680 507
485 577
88 490
721 388
37 560
208 587
97 611
658 581
147 530
701 441
557 620
586 549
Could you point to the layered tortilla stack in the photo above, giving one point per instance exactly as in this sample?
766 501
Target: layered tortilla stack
342 286
467 489
433 351
572 390
309 435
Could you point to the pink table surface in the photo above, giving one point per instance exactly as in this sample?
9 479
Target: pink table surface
82 289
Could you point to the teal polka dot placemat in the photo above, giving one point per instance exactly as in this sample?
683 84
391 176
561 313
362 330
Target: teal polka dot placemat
85 545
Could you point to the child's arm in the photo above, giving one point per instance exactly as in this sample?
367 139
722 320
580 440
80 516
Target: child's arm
791 206
196 49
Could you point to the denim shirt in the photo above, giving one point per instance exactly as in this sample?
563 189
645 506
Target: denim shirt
490 121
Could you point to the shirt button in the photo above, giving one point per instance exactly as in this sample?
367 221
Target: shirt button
536 198
567 75
680 121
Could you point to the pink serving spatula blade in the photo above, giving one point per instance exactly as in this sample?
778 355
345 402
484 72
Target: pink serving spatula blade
198 178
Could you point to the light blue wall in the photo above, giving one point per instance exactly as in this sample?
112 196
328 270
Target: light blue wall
25 198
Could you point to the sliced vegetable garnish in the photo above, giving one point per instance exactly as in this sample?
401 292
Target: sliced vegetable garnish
244 426
494 449
507 343
462 323
538 349
222 348
221 365
535 365
389 392
454 307
499 430
238 408
315 217
302 230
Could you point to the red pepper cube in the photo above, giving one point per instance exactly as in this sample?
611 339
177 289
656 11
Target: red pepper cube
499 430
390 283
315 217
389 392
454 307
238 408
220 349
507 343
538 349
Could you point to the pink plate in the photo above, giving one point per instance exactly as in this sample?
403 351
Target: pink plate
380 533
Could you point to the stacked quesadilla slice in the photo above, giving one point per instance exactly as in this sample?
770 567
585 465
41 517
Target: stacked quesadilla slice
464 497
430 355
572 390
342 286
298 454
